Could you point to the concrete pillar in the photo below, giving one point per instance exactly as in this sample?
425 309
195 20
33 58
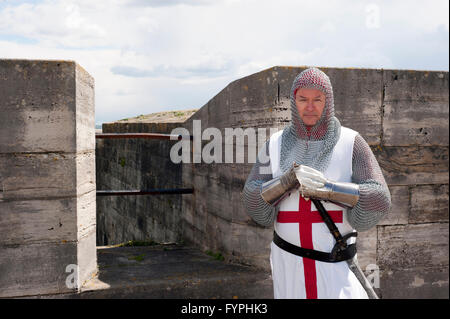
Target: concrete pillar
47 177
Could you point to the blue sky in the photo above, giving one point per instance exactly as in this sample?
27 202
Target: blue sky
155 55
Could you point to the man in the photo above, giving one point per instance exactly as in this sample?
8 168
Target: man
315 157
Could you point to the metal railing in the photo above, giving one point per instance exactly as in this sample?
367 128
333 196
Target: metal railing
156 136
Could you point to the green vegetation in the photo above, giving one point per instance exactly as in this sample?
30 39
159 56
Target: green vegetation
217 256
122 161
137 258
135 243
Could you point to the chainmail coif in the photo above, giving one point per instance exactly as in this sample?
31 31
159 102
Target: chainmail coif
313 147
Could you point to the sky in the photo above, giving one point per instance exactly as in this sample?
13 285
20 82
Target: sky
162 55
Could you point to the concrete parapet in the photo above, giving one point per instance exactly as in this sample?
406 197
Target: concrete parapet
47 176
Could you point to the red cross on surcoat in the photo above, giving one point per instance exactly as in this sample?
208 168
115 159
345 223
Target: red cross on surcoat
305 218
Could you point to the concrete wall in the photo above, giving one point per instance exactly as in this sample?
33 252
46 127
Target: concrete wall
403 115
47 176
124 164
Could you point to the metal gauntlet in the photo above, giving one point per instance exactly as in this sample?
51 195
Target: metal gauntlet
346 194
276 189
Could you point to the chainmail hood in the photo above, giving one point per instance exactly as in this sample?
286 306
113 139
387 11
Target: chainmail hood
310 146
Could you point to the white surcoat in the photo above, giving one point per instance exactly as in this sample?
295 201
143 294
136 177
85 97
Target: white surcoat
299 223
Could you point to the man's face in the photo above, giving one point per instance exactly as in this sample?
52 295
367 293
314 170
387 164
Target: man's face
310 104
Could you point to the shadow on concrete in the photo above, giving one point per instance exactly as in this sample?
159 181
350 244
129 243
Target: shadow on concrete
172 271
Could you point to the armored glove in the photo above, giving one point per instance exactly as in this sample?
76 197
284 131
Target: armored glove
276 189
313 184
309 178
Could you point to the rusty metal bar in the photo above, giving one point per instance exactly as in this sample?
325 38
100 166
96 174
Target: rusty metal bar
157 136
171 191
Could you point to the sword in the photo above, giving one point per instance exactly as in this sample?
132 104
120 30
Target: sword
352 263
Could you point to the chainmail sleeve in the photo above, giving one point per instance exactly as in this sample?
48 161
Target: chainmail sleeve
261 212
375 199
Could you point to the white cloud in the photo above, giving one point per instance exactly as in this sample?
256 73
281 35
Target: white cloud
151 55
169 3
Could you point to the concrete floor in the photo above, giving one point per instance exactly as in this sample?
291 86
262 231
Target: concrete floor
172 271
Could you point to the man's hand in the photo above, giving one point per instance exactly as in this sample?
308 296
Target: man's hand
309 178
313 184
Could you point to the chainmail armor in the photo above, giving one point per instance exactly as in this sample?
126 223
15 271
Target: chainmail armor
374 196
314 148
260 211
311 147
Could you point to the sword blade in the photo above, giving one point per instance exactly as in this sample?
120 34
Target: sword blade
354 267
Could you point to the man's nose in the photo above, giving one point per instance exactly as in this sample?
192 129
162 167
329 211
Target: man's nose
310 105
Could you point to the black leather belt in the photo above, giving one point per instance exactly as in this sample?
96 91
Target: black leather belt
335 256
340 252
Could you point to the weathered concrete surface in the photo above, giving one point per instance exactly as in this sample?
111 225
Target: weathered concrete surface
35 269
47 175
413 165
171 271
403 115
415 108
37 93
137 164
413 260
